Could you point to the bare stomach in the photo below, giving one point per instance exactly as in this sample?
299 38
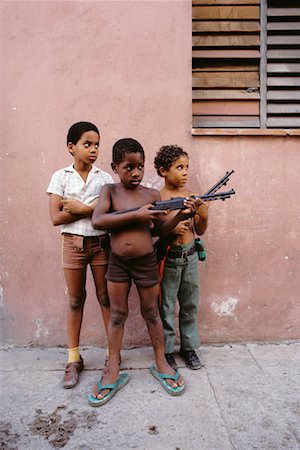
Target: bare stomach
135 243
185 239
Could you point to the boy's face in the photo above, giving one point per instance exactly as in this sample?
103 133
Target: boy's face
86 150
177 174
130 170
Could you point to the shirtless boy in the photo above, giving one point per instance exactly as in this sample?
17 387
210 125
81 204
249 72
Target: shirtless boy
132 257
181 272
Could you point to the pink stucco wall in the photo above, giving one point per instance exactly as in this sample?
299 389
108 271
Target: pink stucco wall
127 67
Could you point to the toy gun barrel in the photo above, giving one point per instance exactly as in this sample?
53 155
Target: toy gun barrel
178 202
222 182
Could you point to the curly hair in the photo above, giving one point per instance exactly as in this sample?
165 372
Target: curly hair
166 155
124 146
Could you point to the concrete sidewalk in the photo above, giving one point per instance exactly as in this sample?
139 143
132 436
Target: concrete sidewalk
246 397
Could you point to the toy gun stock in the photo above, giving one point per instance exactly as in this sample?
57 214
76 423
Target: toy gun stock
178 202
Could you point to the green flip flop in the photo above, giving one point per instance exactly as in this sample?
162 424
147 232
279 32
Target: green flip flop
113 389
163 377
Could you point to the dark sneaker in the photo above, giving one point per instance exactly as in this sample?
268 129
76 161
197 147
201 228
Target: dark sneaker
191 359
72 372
171 360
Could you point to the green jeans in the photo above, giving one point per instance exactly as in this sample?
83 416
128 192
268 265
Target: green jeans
181 281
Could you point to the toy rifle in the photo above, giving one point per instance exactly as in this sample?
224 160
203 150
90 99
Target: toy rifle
178 202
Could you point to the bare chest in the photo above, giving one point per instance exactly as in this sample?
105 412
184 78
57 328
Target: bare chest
122 200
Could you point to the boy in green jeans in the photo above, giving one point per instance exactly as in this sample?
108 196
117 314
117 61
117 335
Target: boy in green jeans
180 279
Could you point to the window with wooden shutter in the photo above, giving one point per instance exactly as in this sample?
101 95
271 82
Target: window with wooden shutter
283 64
246 58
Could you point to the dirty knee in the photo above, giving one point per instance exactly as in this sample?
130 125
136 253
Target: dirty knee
76 302
118 317
104 301
151 315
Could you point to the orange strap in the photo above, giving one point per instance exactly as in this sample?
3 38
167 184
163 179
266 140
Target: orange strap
161 268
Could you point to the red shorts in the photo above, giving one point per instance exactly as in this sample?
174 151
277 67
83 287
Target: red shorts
79 251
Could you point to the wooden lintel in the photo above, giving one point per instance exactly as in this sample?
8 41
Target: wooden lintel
244 132
225 2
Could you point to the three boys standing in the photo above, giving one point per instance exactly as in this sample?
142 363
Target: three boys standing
132 257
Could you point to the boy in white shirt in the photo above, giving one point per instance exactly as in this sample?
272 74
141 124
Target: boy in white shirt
73 193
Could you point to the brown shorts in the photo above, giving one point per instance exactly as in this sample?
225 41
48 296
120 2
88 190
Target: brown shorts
143 269
79 251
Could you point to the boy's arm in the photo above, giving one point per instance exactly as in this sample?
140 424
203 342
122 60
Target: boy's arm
64 211
75 206
103 218
166 226
182 227
201 218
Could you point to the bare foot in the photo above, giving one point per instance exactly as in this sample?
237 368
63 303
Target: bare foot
163 367
110 375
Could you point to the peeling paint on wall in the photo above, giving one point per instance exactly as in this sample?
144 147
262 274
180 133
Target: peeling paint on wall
43 157
225 308
154 183
40 330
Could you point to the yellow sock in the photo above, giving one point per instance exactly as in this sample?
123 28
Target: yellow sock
74 355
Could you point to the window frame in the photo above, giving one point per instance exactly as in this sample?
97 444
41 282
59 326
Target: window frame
262 129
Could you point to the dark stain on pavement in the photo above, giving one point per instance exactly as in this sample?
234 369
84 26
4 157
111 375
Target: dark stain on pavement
153 429
8 438
58 427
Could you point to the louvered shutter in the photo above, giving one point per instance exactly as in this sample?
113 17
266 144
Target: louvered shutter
283 64
226 56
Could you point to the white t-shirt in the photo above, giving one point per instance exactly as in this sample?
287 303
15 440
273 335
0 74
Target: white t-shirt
68 184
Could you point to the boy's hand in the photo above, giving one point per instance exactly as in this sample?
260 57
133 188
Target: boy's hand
202 209
190 204
182 227
73 206
145 214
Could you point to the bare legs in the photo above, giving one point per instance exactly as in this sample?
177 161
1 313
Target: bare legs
150 313
101 292
118 316
118 295
76 280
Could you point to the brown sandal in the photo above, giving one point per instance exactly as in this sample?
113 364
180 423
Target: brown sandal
72 371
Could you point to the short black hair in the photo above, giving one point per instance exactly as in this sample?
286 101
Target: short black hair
77 129
166 155
125 146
